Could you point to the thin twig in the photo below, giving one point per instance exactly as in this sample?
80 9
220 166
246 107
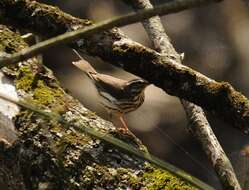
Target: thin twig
200 127
167 8
112 140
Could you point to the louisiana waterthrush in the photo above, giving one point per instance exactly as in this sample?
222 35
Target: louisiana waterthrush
118 96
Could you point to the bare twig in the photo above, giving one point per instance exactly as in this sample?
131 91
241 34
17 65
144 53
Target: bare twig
201 129
154 29
196 117
217 97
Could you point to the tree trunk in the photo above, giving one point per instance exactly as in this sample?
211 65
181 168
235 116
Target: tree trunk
47 155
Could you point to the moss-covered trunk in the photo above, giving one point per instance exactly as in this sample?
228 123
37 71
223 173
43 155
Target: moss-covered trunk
219 98
47 155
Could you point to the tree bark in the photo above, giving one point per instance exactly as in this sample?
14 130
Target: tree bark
199 125
46 155
217 97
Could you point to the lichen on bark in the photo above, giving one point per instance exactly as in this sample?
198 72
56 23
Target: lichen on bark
217 97
49 155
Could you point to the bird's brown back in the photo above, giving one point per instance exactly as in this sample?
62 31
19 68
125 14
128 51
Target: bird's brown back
112 85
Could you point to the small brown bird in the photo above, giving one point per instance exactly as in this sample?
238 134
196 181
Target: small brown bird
118 96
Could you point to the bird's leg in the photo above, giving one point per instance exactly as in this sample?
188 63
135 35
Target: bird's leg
116 119
124 123
128 131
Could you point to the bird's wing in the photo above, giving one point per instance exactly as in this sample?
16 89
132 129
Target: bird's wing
112 85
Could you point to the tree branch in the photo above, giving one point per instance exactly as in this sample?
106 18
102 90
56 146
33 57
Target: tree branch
171 7
49 155
200 127
155 30
217 97
144 155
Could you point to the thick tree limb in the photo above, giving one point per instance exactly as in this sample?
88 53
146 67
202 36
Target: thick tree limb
200 127
47 155
144 155
174 6
217 97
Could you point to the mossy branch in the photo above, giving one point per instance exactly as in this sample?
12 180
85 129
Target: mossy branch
200 127
113 141
178 80
47 154
167 8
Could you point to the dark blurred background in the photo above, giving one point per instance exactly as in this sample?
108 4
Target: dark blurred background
215 41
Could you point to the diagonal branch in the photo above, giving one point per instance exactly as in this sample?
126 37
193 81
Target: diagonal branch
200 127
144 155
155 30
171 7
49 155
217 97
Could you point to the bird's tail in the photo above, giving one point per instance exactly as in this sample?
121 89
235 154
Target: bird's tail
84 66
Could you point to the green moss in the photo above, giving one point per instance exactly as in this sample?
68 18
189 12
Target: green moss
52 96
33 83
25 78
45 91
159 179
10 42
31 77
46 95
69 138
